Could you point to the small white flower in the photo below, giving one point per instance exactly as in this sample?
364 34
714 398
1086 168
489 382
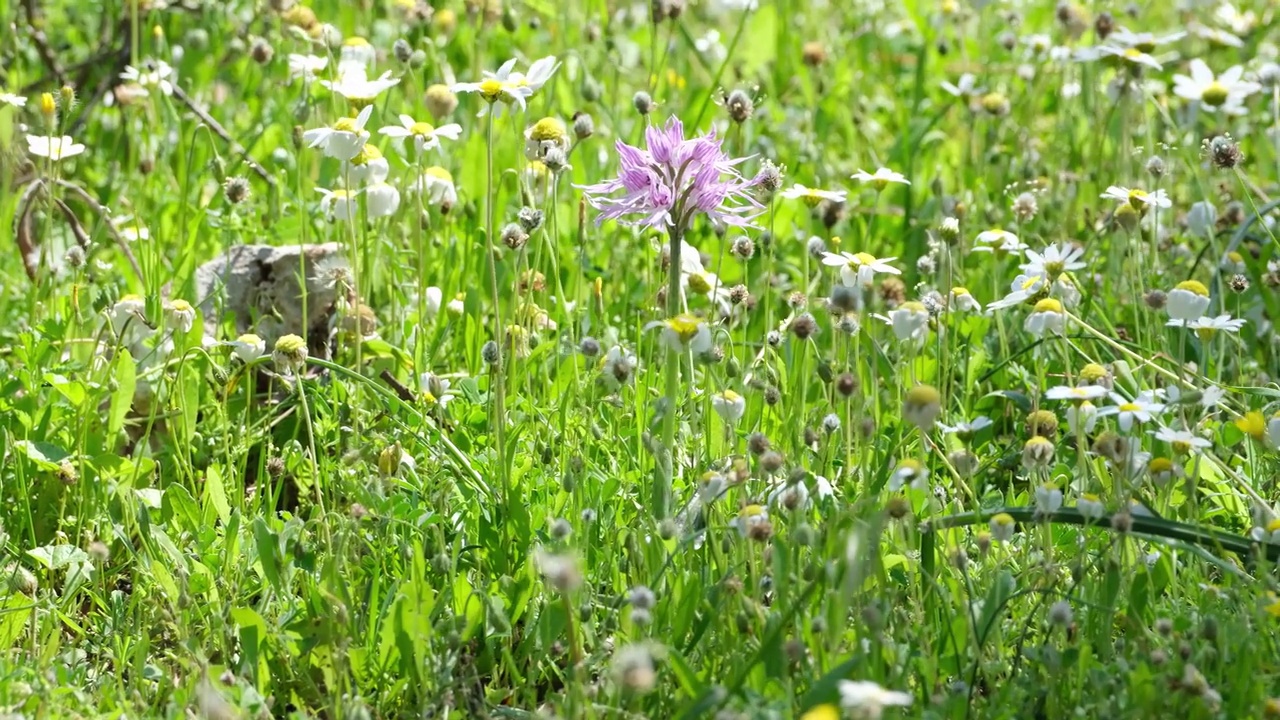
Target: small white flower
881 177
436 387
996 240
1046 317
1090 506
354 85
1048 498
248 348
13 100
729 405
1144 41
53 148
962 299
1076 393
1188 301
1207 326
508 85
425 135
869 698
156 74
306 67
1055 260
749 517
965 87
357 52
179 316
344 140
910 322
437 185
859 269
382 199
790 495
909 472
967 429
1139 199
338 204
1132 55
1022 288
1142 409
1184 438
685 332
1082 418
434 296
1227 91
812 196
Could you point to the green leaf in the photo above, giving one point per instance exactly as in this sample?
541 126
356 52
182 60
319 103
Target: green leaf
125 374
45 455
72 390
685 674
54 557
268 551
215 493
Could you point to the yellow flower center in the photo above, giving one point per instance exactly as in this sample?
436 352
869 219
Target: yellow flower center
249 339
181 306
731 396
864 259
1130 407
438 172
355 41
1003 519
548 128
290 345
1138 199
1030 282
367 154
1090 497
915 307
490 89
699 283
346 124
923 395
423 129
1274 525
1253 425
1048 305
1215 95
1160 465
685 326
960 291
752 511
1194 286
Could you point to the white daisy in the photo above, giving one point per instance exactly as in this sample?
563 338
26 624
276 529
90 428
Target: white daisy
53 147
998 241
11 99
1144 41
1055 260
354 85
1142 409
869 698
910 322
425 136
859 269
881 177
1046 318
306 67
1021 289
1132 55
729 405
154 74
382 199
909 472
338 204
1226 91
1188 301
965 87
812 196
962 299
1182 437
966 428
437 185
344 140
1139 199
1206 327
1076 393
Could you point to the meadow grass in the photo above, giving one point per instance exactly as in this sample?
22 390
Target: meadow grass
683 359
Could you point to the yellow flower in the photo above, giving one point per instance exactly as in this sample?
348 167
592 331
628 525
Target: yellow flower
1253 424
822 712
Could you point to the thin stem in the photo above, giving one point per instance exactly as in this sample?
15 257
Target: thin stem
498 385
662 489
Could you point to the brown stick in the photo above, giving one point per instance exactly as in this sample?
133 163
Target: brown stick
221 132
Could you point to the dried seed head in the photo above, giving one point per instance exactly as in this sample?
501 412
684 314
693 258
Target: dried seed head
490 353
743 248
1060 614
261 51
804 326
1155 166
441 101
1025 207
1155 299
740 106
816 246
813 53
642 102
402 51
1238 283
1223 152
738 294
236 189
1103 25
514 236
758 444
771 461
583 126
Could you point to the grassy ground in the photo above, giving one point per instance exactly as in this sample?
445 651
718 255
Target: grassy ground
470 452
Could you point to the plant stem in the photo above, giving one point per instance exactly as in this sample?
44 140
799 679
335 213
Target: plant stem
662 488
497 388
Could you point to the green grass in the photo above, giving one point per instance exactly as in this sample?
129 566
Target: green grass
563 535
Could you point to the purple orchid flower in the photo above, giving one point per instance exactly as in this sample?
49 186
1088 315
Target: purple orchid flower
673 180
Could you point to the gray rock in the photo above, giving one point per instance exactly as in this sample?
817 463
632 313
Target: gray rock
259 286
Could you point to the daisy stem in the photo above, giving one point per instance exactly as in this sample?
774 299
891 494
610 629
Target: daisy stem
662 487
497 387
